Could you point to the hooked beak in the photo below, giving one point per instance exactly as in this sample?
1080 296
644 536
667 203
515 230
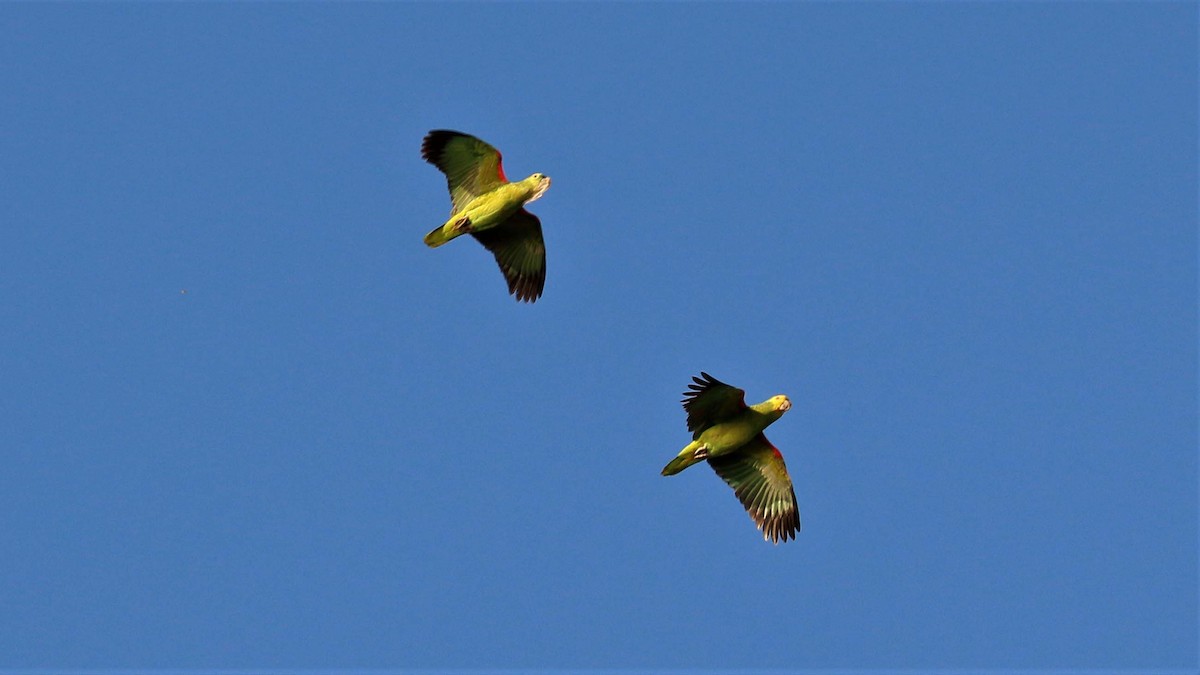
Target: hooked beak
543 185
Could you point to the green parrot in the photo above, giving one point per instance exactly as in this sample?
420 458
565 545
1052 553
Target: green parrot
729 434
490 208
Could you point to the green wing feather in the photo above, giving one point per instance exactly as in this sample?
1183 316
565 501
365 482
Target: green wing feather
760 480
472 167
710 401
521 253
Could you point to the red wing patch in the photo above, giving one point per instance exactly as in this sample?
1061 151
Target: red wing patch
500 167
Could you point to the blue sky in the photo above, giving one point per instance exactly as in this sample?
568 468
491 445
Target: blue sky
961 237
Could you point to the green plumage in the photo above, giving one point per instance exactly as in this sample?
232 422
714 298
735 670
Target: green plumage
490 208
729 435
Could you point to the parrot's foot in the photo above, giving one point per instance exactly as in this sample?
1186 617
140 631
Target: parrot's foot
462 225
701 452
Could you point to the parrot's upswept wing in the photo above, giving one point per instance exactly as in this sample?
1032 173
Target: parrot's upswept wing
759 478
472 167
710 401
520 252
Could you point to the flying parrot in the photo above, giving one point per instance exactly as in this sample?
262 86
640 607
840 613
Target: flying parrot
490 208
729 434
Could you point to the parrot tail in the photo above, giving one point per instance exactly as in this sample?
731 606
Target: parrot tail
444 233
694 452
437 237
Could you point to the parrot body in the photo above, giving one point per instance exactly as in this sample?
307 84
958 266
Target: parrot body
490 208
729 435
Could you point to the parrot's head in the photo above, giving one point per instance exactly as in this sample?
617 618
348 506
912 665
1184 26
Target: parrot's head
782 403
538 184
773 407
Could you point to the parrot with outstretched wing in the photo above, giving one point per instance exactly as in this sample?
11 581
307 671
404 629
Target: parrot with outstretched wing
490 208
729 434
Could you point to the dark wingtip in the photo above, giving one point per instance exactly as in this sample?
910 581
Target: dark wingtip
781 527
699 384
527 289
435 142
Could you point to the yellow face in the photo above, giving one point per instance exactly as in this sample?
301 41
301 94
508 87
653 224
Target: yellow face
541 184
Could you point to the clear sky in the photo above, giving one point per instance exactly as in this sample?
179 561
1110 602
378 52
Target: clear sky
249 420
